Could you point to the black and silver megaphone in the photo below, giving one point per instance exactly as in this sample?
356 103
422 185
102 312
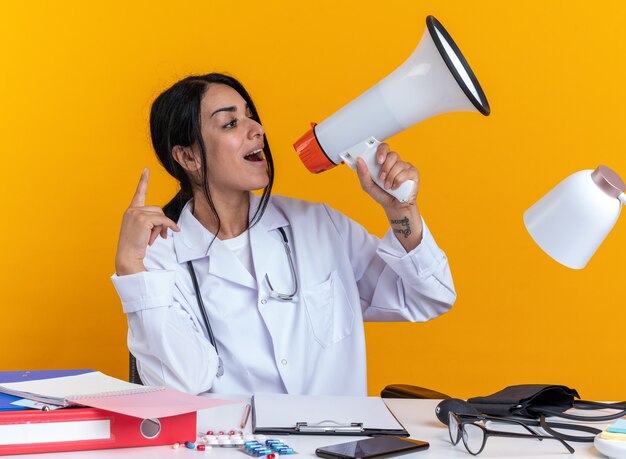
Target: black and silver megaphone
435 79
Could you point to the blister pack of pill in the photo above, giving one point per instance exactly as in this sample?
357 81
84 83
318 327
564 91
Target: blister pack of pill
229 439
269 448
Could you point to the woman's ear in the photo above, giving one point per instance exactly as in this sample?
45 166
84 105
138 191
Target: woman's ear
187 158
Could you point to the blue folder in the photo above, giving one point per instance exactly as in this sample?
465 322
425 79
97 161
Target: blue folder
5 403
34 375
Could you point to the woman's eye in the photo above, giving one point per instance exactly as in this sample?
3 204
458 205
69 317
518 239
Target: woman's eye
232 124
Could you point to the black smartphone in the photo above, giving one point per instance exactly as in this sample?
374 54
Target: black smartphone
384 446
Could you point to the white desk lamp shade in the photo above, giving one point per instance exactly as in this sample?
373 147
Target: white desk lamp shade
571 221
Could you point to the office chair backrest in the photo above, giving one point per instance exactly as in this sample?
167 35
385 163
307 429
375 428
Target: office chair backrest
133 373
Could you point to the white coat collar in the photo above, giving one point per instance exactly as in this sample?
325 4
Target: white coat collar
194 242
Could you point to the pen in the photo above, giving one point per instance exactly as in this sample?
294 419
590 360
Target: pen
246 415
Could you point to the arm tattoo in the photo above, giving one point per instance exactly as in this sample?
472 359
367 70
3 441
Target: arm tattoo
405 228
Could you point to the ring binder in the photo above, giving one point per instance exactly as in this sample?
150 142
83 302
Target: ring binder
326 427
79 429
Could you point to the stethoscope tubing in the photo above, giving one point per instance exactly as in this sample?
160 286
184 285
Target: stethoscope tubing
205 317
273 294
294 276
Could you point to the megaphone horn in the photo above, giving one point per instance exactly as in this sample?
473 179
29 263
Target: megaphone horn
435 79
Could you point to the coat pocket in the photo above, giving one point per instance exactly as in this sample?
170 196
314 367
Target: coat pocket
329 311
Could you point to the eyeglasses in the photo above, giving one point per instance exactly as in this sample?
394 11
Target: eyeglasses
294 275
462 426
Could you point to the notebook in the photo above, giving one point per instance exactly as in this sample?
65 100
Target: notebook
97 390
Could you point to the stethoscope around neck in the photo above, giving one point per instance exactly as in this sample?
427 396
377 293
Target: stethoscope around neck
273 293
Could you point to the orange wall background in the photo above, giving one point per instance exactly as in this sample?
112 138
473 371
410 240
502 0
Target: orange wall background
76 84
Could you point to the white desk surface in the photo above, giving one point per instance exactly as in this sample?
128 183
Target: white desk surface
417 416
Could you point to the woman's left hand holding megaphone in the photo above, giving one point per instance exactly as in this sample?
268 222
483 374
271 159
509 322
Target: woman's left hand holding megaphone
404 217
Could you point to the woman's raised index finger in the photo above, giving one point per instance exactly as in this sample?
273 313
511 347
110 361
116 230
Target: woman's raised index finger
140 193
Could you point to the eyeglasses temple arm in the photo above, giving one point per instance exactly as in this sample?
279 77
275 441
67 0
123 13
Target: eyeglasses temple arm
497 433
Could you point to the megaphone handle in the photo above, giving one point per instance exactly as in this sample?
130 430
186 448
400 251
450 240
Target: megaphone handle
367 151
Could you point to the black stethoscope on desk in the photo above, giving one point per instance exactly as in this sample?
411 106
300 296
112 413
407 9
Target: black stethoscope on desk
273 294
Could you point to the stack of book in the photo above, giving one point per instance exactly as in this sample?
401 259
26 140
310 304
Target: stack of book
71 410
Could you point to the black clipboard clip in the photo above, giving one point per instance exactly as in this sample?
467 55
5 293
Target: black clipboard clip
328 426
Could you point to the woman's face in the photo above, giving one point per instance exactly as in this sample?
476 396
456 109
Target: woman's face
233 141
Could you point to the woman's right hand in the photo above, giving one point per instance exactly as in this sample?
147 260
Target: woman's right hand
141 226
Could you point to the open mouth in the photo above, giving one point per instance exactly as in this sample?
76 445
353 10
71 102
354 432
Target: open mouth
256 155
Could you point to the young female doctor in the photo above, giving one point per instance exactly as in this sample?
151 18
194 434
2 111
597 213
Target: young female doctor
244 293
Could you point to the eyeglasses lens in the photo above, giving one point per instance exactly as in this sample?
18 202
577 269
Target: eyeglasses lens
453 428
473 437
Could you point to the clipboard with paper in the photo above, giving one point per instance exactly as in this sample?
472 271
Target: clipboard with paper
280 414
